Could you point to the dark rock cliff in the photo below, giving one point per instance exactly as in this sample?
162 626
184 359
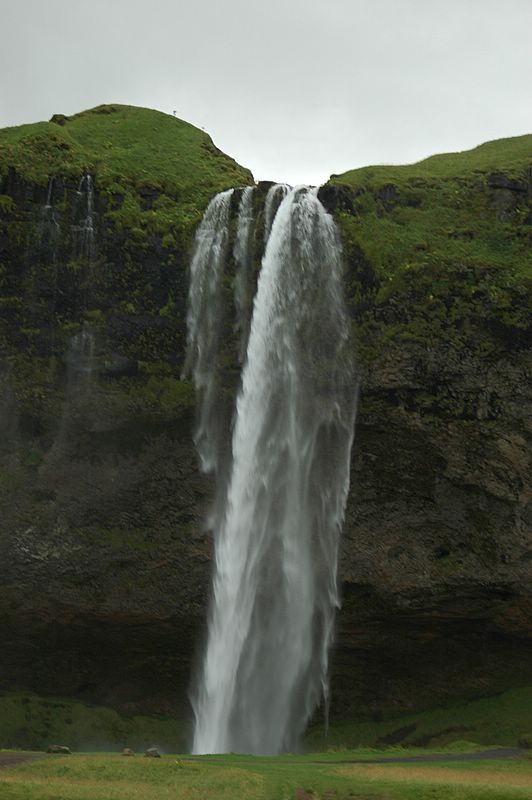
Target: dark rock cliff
105 559
437 545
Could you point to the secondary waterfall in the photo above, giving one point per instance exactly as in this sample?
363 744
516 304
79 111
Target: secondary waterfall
81 358
49 229
277 525
86 240
274 197
204 325
243 254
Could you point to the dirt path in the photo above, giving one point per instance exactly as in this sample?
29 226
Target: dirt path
14 759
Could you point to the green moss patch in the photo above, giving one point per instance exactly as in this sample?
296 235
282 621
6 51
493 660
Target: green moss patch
33 722
500 720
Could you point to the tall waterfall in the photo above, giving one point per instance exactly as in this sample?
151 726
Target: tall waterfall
277 526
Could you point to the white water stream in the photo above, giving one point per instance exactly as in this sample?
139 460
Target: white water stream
204 322
85 233
277 525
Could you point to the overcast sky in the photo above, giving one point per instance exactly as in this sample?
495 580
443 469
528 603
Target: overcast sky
293 89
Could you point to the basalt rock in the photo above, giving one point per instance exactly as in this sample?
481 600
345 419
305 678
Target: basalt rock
59 749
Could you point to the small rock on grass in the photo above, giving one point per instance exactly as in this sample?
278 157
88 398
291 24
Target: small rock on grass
152 752
127 751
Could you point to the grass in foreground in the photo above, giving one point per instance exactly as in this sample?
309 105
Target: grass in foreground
319 777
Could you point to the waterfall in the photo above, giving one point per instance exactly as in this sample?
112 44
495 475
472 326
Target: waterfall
204 325
86 239
277 526
274 197
49 229
81 360
243 255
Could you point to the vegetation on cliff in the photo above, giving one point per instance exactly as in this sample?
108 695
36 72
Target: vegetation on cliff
152 176
442 248
132 152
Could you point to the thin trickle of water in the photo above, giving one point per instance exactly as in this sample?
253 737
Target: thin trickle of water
86 237
276 532
81 360
49 228
204 322
243 255
49 194
82 364
274 197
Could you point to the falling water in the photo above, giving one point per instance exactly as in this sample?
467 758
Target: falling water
204 324
49 195
49 228
86 239
276 533
81 360
243 254
274 197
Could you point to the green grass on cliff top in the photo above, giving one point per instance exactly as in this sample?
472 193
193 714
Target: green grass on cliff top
123 143
423 222
510 156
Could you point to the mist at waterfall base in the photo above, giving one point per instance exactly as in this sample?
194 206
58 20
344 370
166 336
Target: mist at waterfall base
280 460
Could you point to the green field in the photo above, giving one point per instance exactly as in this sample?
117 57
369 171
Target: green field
330 775
318 777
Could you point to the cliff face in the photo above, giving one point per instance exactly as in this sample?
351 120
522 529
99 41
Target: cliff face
438 541
105 564
105 560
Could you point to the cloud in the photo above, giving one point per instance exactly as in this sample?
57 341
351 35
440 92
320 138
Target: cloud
292 89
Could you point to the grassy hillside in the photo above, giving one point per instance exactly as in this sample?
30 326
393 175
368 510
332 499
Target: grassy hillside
448 238
471 208
510 156
127 149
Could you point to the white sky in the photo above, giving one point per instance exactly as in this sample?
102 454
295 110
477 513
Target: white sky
293 89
